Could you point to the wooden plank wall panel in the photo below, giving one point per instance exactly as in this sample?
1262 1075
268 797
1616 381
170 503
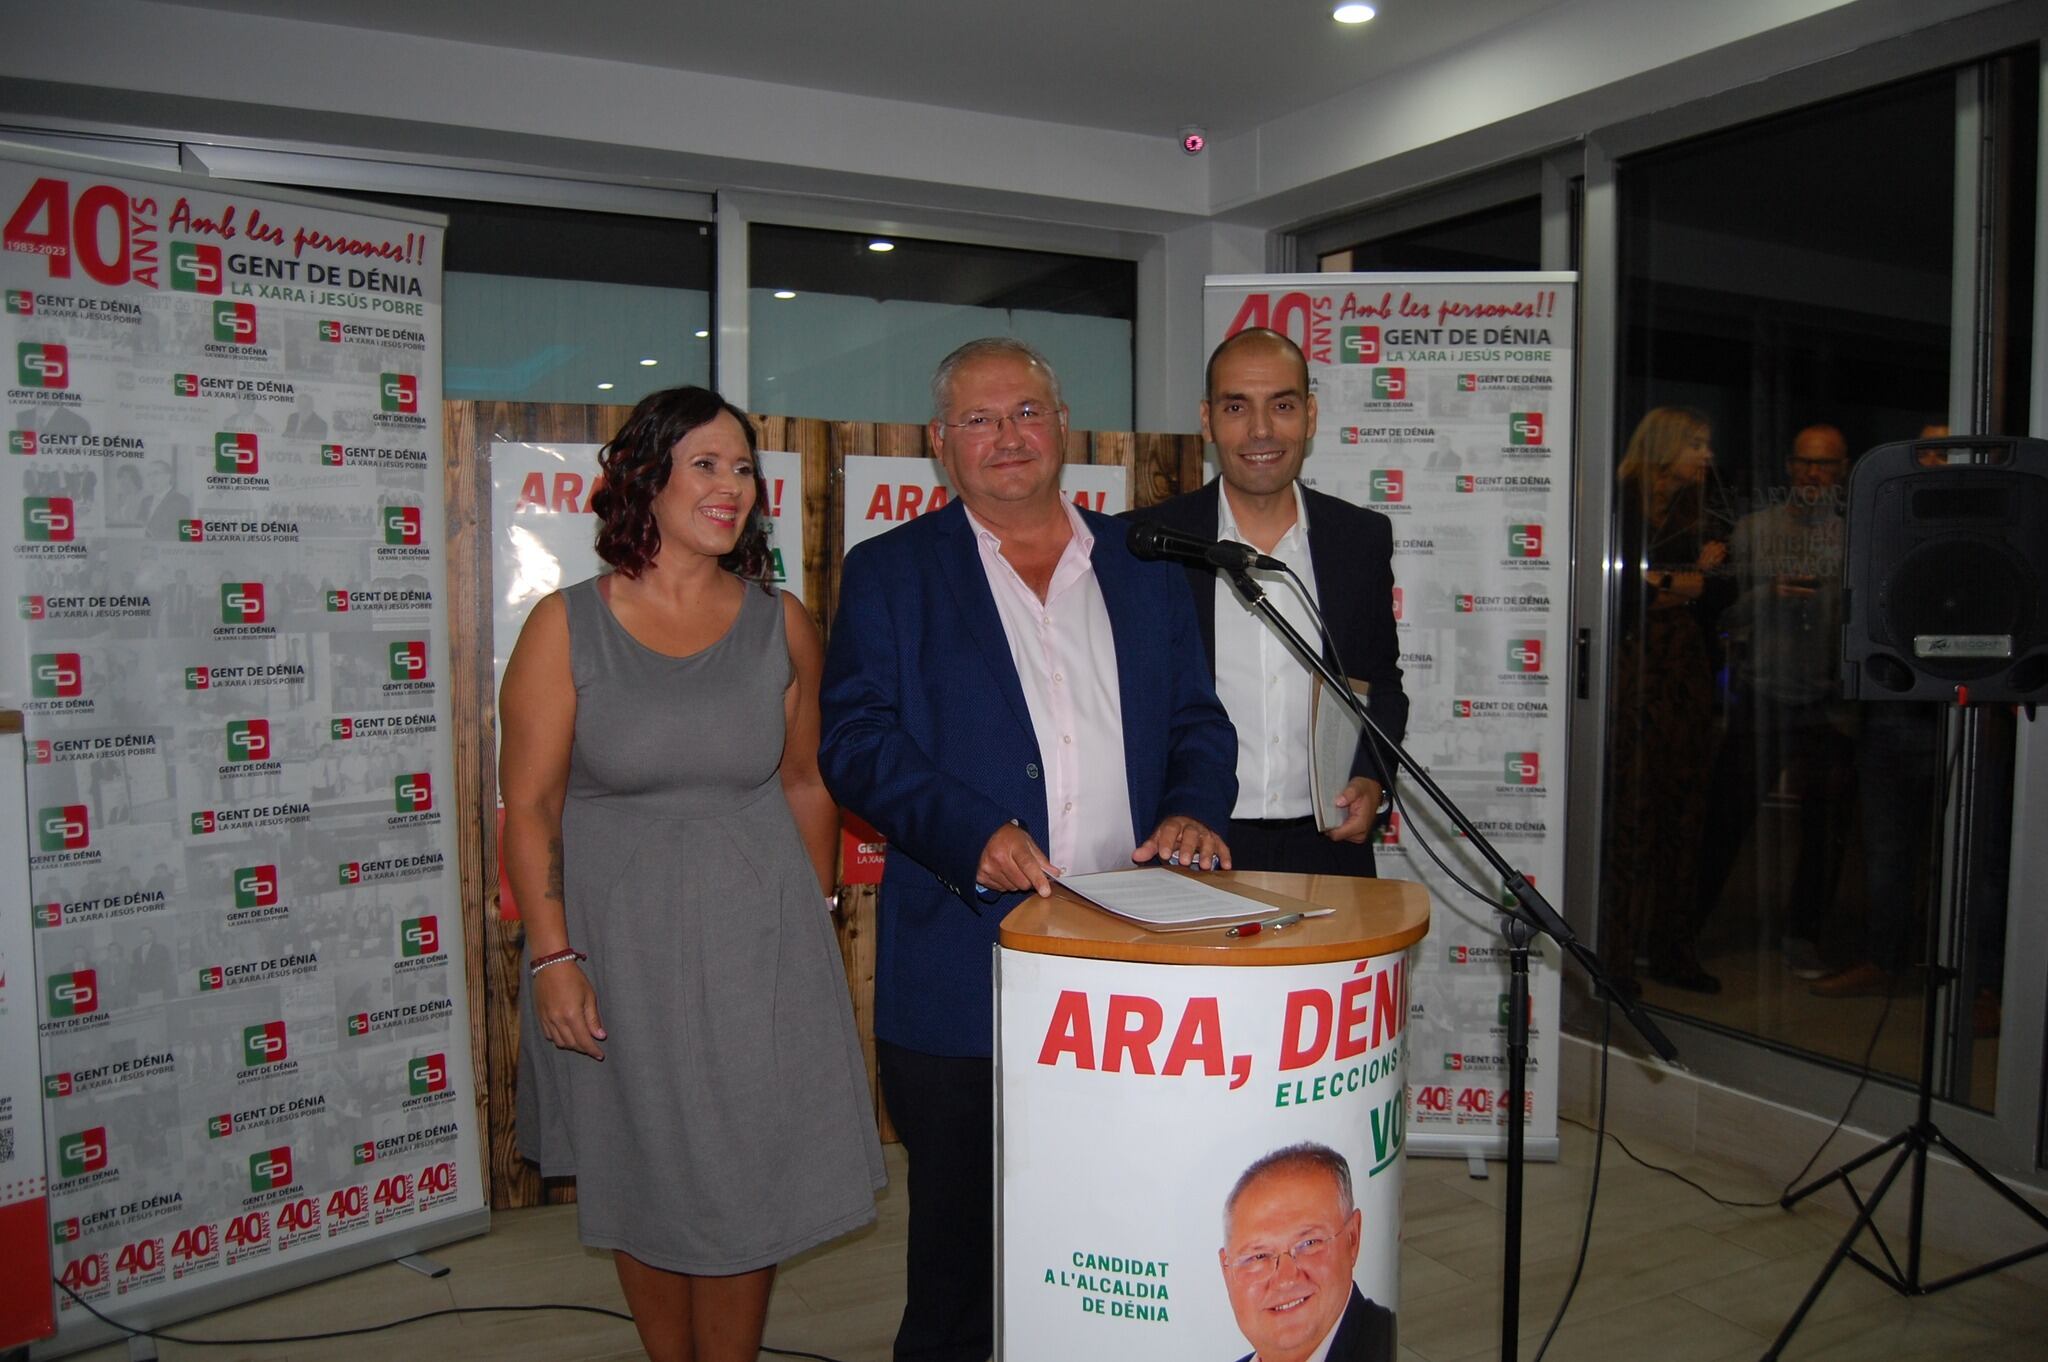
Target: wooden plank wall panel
1159 466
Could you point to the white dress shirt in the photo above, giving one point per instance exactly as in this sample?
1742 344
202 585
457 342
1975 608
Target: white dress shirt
1066 662
1262 684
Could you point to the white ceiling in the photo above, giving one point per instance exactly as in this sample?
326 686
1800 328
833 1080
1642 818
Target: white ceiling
1142 66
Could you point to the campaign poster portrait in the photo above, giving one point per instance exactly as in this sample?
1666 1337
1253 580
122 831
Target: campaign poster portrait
1175 1144
224 551
1444 402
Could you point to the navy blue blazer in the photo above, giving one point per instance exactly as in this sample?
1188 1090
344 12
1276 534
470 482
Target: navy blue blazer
1351 553
926 735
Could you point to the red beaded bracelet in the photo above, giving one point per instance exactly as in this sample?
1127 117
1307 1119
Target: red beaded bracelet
555 959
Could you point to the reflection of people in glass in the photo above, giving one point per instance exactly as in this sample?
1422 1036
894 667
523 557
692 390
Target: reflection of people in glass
1785 633
1662 705
1290 1245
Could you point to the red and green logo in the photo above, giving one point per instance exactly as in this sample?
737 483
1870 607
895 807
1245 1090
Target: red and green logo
1520 768
57 1085
241 602
55 676
256 886
1390 385
48 520
202 822
332 457
1464 482
412 792
22 442
34 608
184 385
330 330
1348 435
1468 383
1358 345
366 1152
65 1231
1525 428
73 993
341 730
359 1024
1464 603
82 1152
1525 654
234 323
1525 541
220 1127
409 660
263 1043
63 827
427 1074
1389 832
401 524
1388 484
195 268
40 752
401 392
420 936
248 739
337 602
349 872
39 365
198 678
20 303
212 979
1461 709
270 1169
235 453
192 532
49 915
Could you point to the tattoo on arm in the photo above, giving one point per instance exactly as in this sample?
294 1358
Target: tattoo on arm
555 870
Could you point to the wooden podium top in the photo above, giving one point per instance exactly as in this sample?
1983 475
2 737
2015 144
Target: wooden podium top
1373 917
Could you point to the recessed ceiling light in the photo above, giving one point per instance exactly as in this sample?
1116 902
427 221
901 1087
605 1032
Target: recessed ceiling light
878 245
649 363
1352 14
605 387
703 335
785 293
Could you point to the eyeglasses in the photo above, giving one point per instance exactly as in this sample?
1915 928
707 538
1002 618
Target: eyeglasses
983 425
1265 1263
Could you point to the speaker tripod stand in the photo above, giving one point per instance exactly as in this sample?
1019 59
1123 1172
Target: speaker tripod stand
1910 1147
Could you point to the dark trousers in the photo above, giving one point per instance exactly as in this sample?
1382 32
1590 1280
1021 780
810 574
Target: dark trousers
1294 844
943 1107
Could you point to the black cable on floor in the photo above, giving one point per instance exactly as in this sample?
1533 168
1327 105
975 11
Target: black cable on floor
160 1335
1592 1191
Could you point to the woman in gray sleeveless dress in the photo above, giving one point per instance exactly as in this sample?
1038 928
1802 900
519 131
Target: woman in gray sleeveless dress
687 1049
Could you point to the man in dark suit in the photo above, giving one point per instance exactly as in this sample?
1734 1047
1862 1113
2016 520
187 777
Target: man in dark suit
1261 416
1290 1246
1008 695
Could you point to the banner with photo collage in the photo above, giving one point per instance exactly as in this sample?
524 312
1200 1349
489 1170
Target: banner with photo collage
1445 402
224 555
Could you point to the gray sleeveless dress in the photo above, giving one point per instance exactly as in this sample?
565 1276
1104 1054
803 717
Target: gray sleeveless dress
729 1125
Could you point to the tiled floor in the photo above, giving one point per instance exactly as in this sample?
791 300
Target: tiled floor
1672 1277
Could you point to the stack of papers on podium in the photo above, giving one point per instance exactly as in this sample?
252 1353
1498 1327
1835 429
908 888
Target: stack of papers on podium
1163 901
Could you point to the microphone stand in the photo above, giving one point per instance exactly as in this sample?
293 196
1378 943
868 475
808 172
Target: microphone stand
1519 924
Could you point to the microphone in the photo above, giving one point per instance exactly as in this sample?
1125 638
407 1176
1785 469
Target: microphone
1152 543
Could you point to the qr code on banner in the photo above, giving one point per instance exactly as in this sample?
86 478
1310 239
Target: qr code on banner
6 1144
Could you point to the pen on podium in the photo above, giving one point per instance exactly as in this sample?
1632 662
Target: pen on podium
1274 924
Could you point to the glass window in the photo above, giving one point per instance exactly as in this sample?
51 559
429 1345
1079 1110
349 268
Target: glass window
550 305
1508 237
1771 849
844 332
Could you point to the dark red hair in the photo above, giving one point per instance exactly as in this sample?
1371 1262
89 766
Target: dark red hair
635 467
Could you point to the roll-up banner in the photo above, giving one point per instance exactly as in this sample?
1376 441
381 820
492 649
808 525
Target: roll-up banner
224 554
1444 401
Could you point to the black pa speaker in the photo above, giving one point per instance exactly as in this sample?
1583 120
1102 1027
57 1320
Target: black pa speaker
1947 561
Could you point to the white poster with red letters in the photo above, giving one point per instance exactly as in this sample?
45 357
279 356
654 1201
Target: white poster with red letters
224 557
1136 1102
1444 401
883 492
